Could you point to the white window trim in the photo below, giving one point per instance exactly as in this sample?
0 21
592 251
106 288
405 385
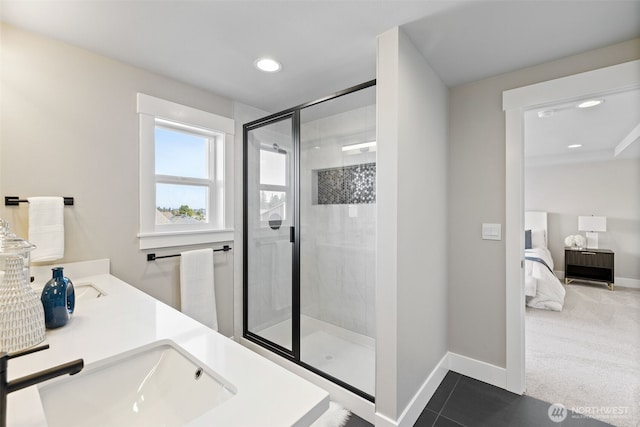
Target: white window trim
149 109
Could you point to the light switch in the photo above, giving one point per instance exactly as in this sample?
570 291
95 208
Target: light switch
492 231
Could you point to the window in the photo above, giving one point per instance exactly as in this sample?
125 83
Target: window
185 175
186 163
274 184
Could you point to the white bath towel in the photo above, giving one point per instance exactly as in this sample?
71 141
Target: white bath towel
197 293
46 228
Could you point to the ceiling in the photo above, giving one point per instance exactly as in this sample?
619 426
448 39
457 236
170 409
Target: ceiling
603 132
324 46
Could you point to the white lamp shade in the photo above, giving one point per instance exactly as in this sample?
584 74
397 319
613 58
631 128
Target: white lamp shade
592 223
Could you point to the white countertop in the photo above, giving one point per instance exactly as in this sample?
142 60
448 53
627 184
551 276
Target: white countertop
125 319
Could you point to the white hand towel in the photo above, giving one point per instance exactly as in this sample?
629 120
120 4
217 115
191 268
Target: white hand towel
197 292
46 228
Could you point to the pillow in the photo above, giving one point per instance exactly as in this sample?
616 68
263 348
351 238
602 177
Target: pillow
527 239
538 239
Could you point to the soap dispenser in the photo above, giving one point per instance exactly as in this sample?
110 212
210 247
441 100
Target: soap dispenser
59 300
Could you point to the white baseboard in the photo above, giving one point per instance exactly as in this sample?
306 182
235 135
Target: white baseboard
383 421
625 282
473 368
481 371
413 410
410 415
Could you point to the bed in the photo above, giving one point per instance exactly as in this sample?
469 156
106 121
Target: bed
542 288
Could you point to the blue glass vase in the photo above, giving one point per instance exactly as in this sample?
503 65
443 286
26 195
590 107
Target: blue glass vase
58 299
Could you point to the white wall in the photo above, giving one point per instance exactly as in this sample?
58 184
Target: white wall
412 224
607 188
70 128
477 315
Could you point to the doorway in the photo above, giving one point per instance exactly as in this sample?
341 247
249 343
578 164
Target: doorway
606 80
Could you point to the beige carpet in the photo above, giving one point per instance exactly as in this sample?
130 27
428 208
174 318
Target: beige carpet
587 357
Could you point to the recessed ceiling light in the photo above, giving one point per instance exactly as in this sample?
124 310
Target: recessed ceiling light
574 146
590 103
267 64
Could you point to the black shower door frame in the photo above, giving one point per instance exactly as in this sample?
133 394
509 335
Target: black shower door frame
292 355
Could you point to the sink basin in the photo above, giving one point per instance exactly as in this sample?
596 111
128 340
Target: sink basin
85 291
157 385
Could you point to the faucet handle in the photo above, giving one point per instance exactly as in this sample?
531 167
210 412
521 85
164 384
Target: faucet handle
27 351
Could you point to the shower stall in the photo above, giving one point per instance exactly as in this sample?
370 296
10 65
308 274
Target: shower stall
310 236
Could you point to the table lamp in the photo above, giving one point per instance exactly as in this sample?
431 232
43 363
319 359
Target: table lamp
592 225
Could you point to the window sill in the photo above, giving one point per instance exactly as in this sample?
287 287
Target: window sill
183 238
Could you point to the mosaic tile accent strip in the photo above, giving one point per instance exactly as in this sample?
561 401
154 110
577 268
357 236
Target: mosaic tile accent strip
350 185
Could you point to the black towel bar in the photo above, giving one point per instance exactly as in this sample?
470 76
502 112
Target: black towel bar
153 257
15 201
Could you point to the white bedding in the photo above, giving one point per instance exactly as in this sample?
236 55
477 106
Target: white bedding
542 288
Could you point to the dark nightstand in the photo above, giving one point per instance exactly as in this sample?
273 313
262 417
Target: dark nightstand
589 264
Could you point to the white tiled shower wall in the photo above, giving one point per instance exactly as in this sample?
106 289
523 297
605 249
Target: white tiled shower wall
338 241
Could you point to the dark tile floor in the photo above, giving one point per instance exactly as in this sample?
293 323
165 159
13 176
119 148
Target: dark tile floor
463 401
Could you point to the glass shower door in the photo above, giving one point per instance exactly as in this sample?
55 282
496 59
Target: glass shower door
338 238
269 248
309 236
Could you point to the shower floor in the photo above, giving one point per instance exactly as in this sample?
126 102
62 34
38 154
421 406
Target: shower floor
341 353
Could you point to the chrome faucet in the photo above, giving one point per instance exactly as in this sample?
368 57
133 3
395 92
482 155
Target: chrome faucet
7 387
